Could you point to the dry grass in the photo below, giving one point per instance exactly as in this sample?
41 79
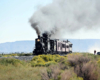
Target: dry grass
84 66
66 75
52 72
69 67
89 71
19 73
44 74
77 59
12 69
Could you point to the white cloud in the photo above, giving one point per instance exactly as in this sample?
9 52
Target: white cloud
94 47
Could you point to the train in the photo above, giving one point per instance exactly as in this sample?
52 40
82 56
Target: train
45 45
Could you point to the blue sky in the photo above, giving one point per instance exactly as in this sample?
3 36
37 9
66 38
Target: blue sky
15 26
14 19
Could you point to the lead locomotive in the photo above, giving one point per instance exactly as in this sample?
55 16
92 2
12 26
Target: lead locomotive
45 45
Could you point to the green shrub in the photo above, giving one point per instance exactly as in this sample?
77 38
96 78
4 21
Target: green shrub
12 61
98 62
13 54
37 61
47 60
50 63
27 54
35 58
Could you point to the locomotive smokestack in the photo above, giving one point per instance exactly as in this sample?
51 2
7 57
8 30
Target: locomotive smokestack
46 35
39 36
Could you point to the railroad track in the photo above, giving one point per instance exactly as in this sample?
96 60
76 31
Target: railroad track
26 57
21 57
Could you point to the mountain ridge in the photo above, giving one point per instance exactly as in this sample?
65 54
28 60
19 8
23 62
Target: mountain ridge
79 45
17 46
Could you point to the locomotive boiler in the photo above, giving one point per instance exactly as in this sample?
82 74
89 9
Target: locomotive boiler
45 45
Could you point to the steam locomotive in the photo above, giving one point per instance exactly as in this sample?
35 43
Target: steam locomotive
45 45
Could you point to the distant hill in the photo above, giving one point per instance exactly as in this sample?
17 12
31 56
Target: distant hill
85 45
18 46
79 45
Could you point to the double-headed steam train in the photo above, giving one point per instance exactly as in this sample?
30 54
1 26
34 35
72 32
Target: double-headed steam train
45 45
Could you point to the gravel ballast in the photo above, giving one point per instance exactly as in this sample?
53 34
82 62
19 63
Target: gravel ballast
24 57
20 57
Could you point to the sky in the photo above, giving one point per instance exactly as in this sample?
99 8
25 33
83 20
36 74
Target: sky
15 26
14 19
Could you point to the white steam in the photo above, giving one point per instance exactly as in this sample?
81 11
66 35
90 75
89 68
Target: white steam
94 47
66 16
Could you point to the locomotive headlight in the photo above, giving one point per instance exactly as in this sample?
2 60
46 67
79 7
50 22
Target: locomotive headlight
38 40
